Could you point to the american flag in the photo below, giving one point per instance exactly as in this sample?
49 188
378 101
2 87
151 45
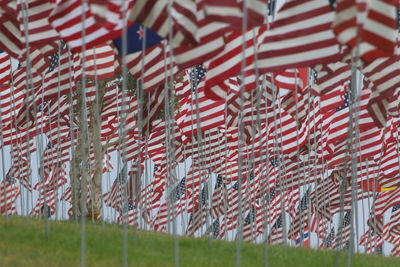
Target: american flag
328 241
336 124
46 203
154 15
371 241
199 215
218 198
291 79
172 206
57 154
210 40
342 239
290 136
308 37
115 197
234 193
57 80
395 251
53 180
9 192
10 34
39 30
232 12
390 161
386 200
275 236
195 177
21 167
65 18
331 76
370 42
196 76
301 219
229 62
154 62
381 73
302 239
53 63
129 214
253 225
272 204
391 229
5 68
211 114
98 62
217 229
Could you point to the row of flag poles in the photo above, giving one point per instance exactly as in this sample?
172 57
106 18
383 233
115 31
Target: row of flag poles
262 121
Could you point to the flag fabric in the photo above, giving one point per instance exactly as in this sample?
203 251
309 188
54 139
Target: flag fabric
371 241
154 15
303 239
66 19
385 201
391 229
198 108
356 24
395 251
129 214
156 63
9 192
172 207
136 36
218 201
342 237
229 62
300 36
5 68
199 215
328 241
261 114
46 204
217 230
232 12
38 31
275 236
253 225
301 221
52 181
10 35
118 191
98 62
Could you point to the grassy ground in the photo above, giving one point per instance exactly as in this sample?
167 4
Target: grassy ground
23 243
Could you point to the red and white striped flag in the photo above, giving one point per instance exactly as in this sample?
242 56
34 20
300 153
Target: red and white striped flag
52 181
300 36
46 204
39 31
10 34
233 11
98 62
66 19
371 241
370 25
391 230
385 201
158 65
9 192
5 68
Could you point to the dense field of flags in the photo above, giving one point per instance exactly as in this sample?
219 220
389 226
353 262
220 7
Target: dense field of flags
284 114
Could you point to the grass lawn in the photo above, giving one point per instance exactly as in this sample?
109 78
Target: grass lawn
23 243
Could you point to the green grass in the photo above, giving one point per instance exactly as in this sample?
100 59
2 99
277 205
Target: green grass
23 243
